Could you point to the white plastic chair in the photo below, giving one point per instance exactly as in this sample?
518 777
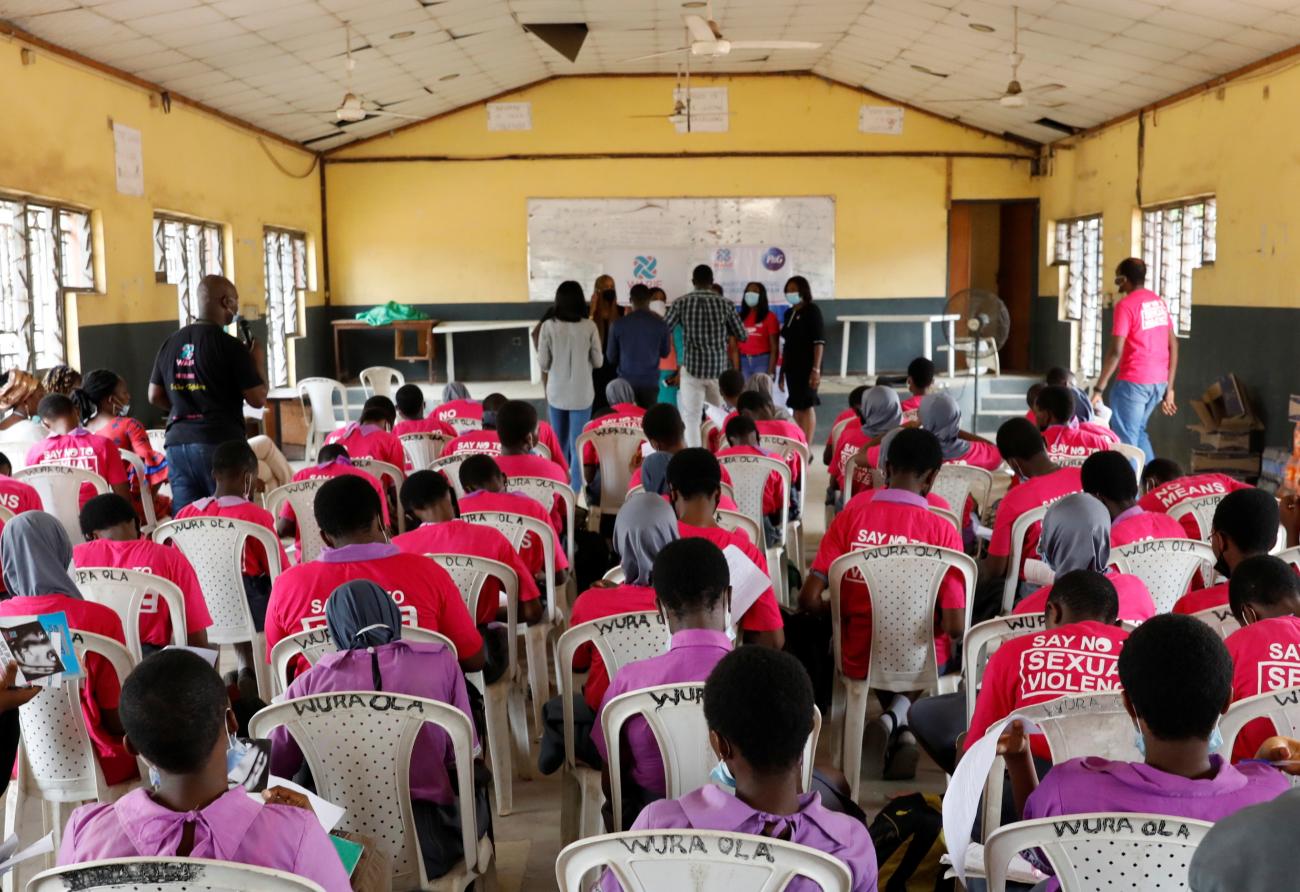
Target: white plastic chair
215 548
903 582
56 758
1202 511
312 644
1291 556
503 700
1134 454
1165 566
1101 850
358 746
146 492
157 438
168 874
316 395
1281 707
749 475
380 380
1220 619
615 444
60 490
620 639
654 860
734 520
545 490
422 449
955 483
449 467
982 639
785 446
387 475
301 497
127 593
465 425
1019 533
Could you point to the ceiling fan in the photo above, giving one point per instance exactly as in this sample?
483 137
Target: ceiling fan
354 108
1015 96
704 38
680 116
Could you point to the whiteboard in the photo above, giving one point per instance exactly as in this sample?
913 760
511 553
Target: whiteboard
582 238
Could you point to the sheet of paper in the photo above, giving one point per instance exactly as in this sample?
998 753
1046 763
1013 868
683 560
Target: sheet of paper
42 846
207 653
747 581
647 450
961 802
887 119
716 414
981 531
509 116
1018 871
128 159
327 813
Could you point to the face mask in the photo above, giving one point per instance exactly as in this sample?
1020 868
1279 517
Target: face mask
235 753
751 298
792 297
731 629
721 776
1139 742
1216 739
123 410
1221 567
658 307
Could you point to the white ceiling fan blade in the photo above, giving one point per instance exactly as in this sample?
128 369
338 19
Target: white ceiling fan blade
774 45
388 114
699 28
967 99
1045 88
680 49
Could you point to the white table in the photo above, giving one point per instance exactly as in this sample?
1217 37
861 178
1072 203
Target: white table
454 328
927 337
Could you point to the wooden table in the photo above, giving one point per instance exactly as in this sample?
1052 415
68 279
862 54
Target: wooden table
423 328
927 337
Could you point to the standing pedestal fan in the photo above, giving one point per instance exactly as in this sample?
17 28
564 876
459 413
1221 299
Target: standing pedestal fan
986 323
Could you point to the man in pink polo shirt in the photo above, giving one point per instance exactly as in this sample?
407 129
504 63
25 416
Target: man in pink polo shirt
347 511
1109 477
411 420
1244 526
1165 487
372 436
692 589
1144 350
72 446
1265 598
485 494
112 533
1065 435
331 461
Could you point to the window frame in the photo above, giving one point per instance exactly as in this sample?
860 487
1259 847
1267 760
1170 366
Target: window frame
1085 309
185 290
285 338
1197 246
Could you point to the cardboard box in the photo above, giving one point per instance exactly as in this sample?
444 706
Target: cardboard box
1222 440
1235 464
1225 406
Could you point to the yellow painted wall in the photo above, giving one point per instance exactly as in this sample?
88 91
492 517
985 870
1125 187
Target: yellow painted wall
457 231
56 143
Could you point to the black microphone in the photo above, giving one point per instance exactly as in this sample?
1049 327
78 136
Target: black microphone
245 330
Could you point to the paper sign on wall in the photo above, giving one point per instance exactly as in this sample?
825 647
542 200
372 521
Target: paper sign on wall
510 116
886 119
128 157
708 110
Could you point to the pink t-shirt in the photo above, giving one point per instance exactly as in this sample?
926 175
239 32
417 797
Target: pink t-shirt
475 540
758 334
369 441
1169 495
147 556
870 520
337 468
1265 657
764 615
455 410
1073 440
1142 320
912 409
18 496
627 414
236 508
428 425
1137 525
979 455
1135 604
1032 493
514 503
851 440
480 442
81 449
1203 599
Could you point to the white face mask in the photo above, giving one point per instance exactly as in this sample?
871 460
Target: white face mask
751 298
658 307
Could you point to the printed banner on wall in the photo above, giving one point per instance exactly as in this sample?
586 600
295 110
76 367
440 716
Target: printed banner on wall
735 266
666 268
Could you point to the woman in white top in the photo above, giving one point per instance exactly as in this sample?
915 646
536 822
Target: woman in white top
568 348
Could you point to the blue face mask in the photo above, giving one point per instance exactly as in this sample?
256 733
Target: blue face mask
751 298
1140 742
721 775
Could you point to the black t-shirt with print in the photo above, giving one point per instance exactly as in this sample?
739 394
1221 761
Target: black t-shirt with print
206 372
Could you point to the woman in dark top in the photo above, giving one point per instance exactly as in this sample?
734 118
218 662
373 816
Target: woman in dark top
801 362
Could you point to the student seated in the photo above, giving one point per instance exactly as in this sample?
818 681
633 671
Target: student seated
1177 681
1108 476
35 552
72 446
234 468
881 412
850 416
731 384
427 496
693 592
456 405
517 428
666 434
742 439
624 411
1076 536
347 511
1245 525
1165 486
177 718
485 490
1062 377
332 460
694 489
16 496
1065 435
480 440
409 400
372 436
113 539
758 704
920 379
759 407
898 515
365 625
940 414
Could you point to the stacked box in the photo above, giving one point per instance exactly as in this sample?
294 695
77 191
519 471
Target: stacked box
1227 423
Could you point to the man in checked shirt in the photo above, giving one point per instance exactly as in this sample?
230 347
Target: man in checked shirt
707 319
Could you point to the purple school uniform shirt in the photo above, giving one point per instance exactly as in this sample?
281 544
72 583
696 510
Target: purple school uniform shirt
233 827
813 825
691 656
418 668
1099 785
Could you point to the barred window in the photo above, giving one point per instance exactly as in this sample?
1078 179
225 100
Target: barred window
1176 239
184 251
1079 249
285 256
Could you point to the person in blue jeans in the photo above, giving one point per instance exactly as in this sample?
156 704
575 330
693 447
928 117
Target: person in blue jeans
759 351
568 348
1143 357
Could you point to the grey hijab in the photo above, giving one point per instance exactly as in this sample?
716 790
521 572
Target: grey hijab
1076 535
881 411
619 391
941 416
360 614
35 554
761 382
645 524
454 390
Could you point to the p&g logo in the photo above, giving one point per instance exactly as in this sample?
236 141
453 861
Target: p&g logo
645 267
773 258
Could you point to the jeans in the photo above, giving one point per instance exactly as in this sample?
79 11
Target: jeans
752 365
690 402
189 471
1131 405
568 424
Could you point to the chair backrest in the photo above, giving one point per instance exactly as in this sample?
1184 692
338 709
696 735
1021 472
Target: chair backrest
317 395
381 471
734 520
836 429
422 449
358 747
515 527
1281 707
615 444
903 581
146 492
449 467
1201 509
653 860
465 425
469 573
168 874
1019 533
749 475
380 380
948 515
157 438
312 644
1291 556
545 490
956 483
301 497
1136 457
1069 461
1220 619
1101 850
60 490
787 446
1086 725
982 639
1166 566
130 593
57 759
214 546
